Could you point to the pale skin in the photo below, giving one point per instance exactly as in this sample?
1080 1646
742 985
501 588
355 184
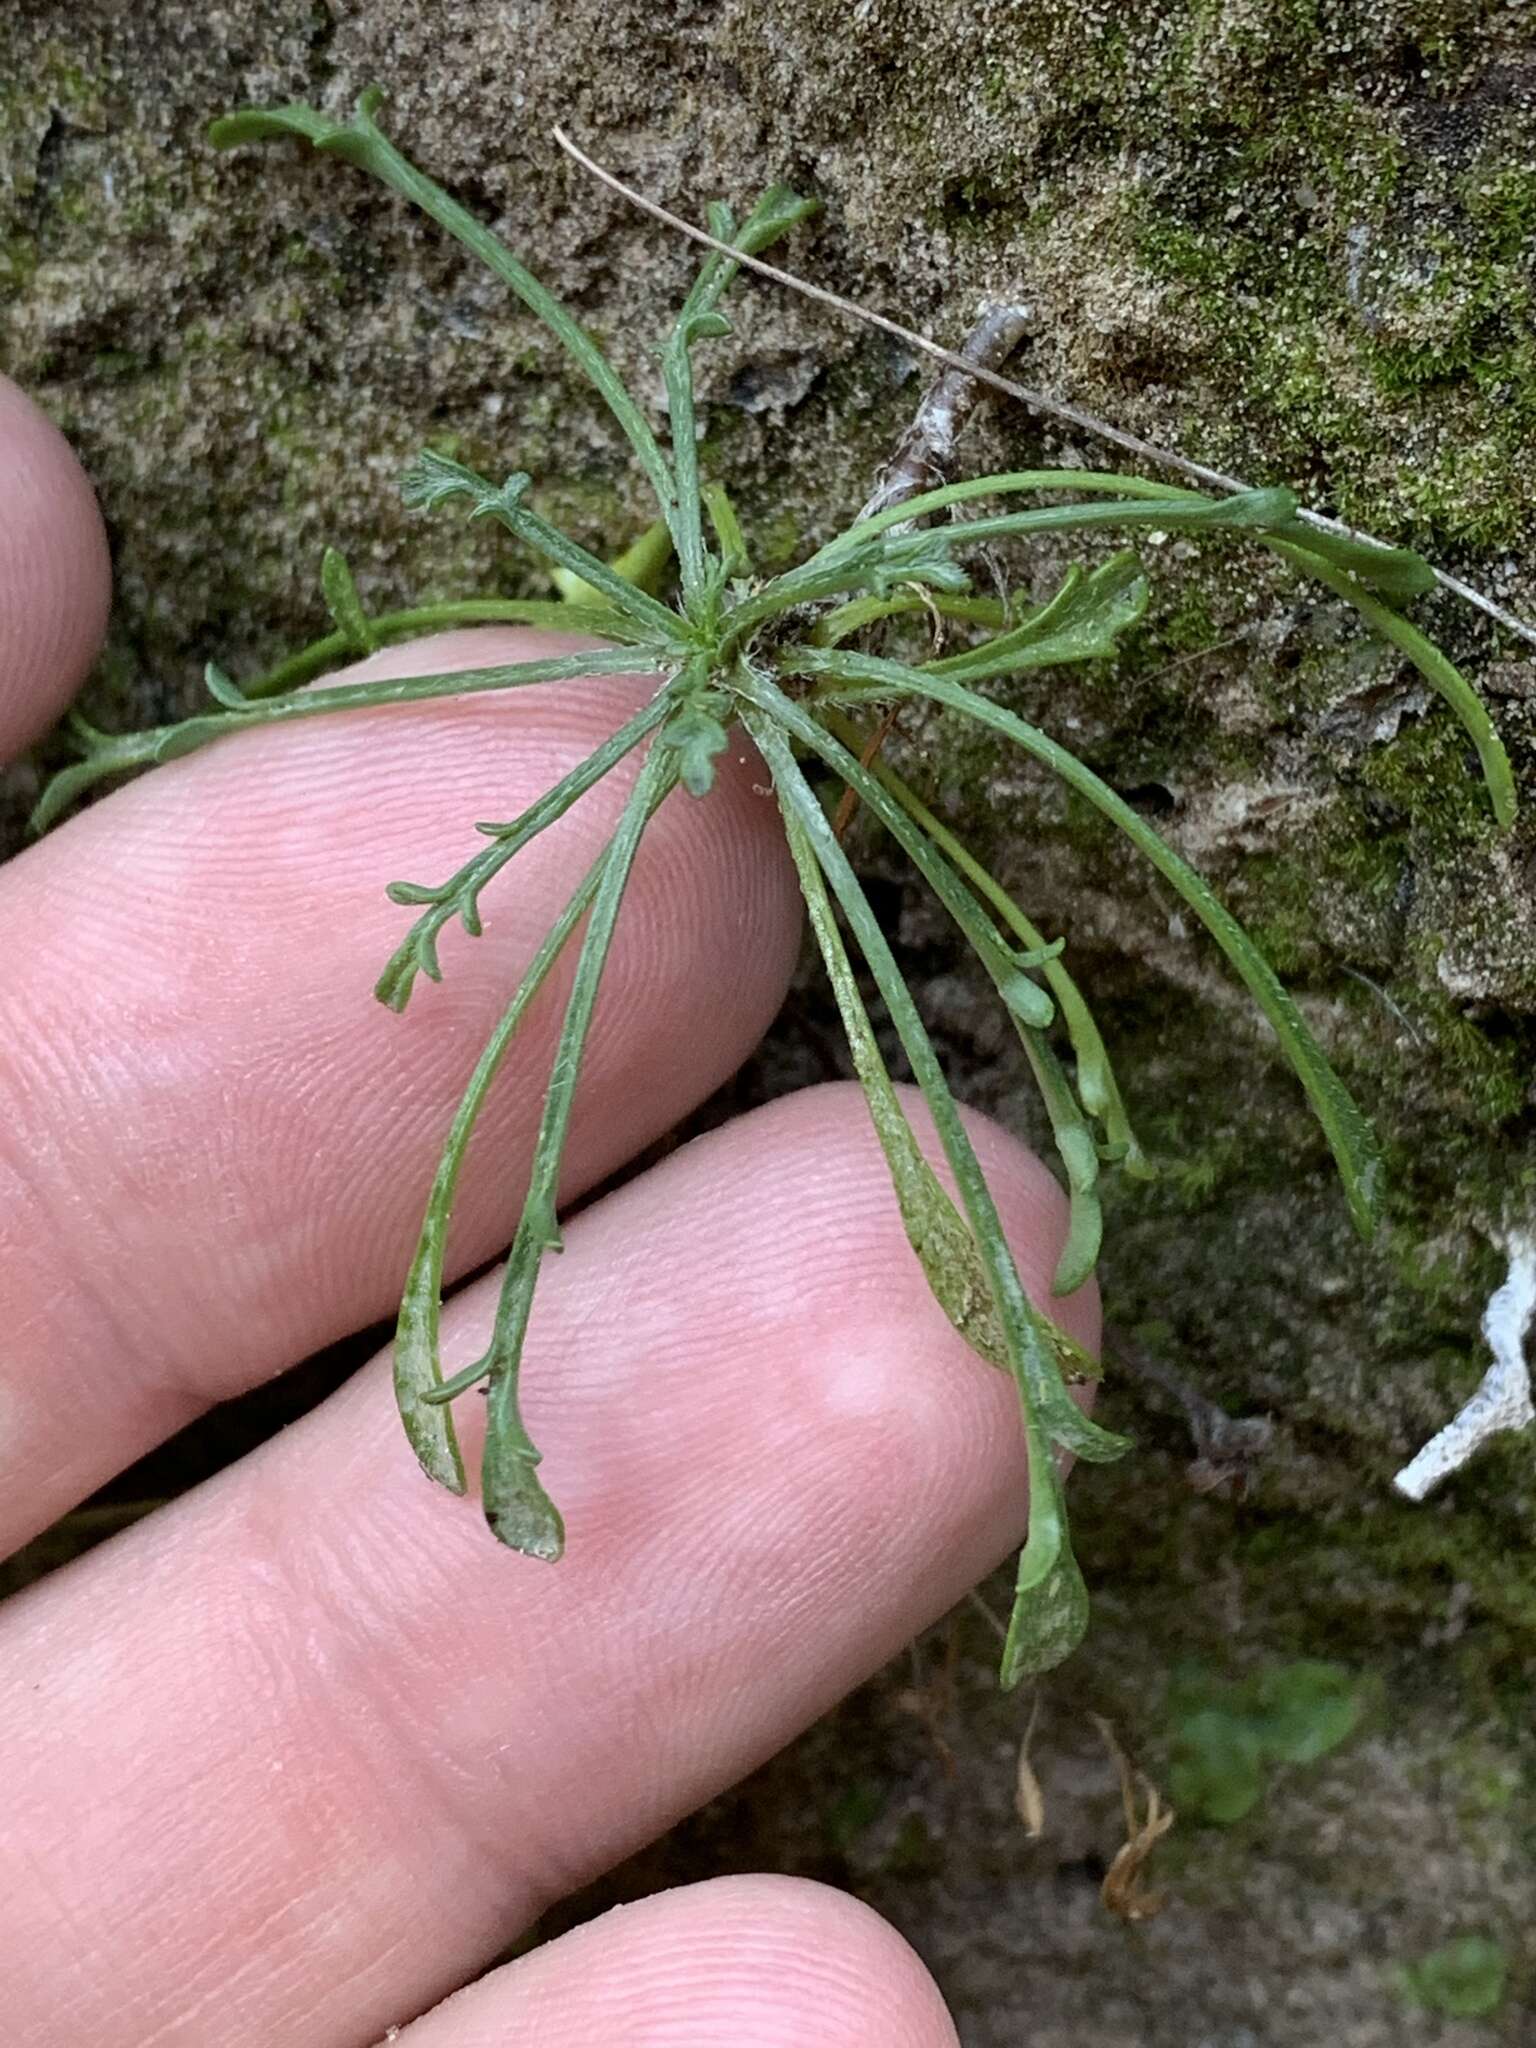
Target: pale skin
292 1760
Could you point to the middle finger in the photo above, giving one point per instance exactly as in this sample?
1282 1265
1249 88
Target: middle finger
348 1746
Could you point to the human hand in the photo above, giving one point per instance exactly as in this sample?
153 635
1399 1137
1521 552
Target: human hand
291 1760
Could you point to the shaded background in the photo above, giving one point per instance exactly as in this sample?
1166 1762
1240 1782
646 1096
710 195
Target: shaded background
1293 238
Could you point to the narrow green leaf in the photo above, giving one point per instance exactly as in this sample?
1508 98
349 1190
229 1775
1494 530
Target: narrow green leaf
881 568
459 896
468 1376
1360 571
124 753
306 663
516 1505
1396 573
697 321
1041 954
859 612
223 689
882 561
1010 483
700 320
266 124
643 563
106 756
1030 1356
936 1231
432 480
1074 1141
360 141
344 604
1096 1084
1178 511
417 1364
1083 622
1350 1136
429 1430
1436 668
1080 1159
458 682
727 530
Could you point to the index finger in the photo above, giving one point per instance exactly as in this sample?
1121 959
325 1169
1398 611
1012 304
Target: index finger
215 1146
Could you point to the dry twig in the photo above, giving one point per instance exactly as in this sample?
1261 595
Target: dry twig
1037 401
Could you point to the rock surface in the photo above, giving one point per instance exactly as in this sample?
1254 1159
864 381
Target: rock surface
1293 238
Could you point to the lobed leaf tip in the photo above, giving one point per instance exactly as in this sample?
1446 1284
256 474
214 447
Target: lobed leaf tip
430 478
522 1515
1027 1000
711 326
266 124
416 1370
1080 1253
1366 1188
393 987
223 689
431 1436
48 806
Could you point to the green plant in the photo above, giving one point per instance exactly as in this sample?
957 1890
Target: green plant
1226 1735
782 656
1463 1980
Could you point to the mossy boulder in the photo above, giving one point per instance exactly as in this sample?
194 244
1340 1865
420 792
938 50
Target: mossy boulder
1292 238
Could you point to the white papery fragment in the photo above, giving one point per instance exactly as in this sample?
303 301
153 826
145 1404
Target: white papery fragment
1503 1401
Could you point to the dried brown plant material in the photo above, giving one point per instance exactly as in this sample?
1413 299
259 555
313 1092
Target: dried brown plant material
1123 1891
1028 1799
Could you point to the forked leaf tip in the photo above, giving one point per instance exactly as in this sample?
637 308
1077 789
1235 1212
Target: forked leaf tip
264 124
